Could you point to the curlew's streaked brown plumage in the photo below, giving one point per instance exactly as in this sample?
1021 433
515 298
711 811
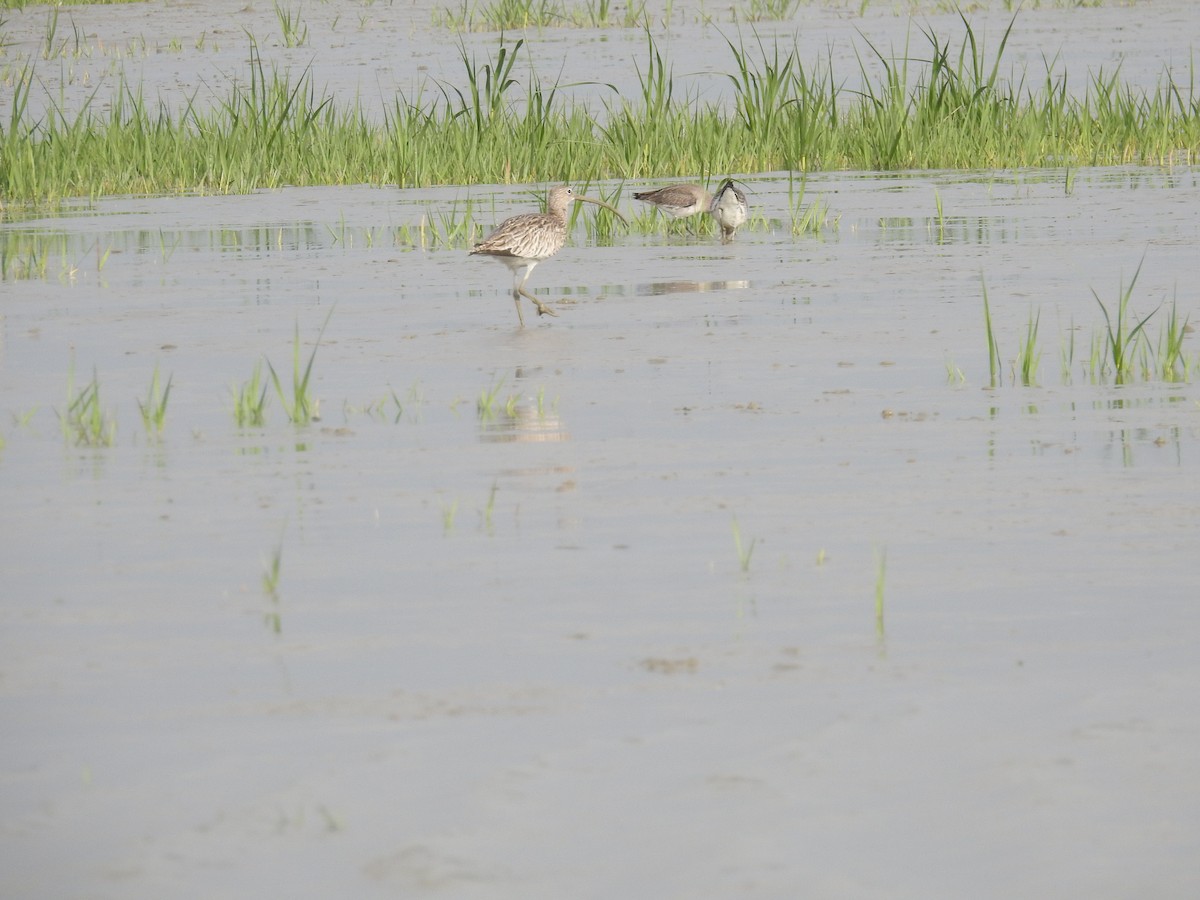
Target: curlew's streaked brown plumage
523 241
729 208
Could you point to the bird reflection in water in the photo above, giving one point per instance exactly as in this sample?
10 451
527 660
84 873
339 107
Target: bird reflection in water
657 288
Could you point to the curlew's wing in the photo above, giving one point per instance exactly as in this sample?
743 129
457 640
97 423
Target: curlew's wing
527 236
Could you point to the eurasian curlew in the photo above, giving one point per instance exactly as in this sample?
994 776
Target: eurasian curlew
523 241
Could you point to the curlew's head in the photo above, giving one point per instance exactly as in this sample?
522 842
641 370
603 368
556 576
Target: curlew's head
561 197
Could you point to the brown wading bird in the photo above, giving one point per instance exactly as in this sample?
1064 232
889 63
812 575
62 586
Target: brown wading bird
728 207
523 241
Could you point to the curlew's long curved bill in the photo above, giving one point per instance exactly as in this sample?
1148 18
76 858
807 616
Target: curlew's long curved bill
611 209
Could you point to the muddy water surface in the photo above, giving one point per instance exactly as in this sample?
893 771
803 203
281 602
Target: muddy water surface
516 652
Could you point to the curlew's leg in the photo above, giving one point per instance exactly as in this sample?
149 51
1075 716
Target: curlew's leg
542 308
519 291
519 279
517 301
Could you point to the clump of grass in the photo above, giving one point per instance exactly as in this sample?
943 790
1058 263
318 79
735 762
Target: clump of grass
69 47
86 422
1121 337
484 100
954 374
299 404
388 407
28 255
744 551
167 249
250 400
449 513
512 15
945 106
414 400
295 32
654 221
767 10
1067 354
995 371
101 258
399 406
485 404
271 572
1028 355
1173 364
443 229
600 228
603 14
154 410
1123 349
22 256
811 219
763 91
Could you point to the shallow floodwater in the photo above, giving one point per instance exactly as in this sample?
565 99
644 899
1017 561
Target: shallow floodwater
515 652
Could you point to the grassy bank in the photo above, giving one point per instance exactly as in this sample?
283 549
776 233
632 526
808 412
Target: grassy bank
938 106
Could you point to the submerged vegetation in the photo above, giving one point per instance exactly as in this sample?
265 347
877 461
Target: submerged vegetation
744 551
154 410
86 421
250 400
941 106
300 405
